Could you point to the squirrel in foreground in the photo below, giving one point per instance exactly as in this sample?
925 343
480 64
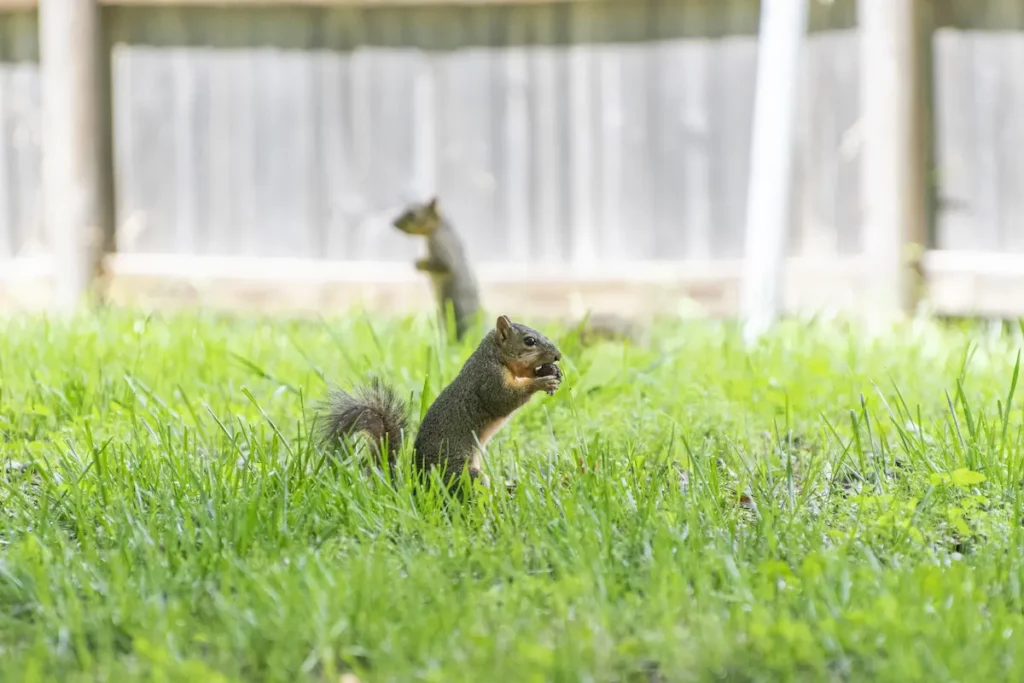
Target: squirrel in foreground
446 263
511 364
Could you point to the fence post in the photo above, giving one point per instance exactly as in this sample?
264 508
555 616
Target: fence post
783 24
76 168
894 161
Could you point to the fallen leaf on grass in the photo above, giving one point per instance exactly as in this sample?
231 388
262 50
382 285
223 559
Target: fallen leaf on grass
747 503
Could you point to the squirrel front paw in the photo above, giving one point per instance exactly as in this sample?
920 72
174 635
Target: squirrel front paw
430 266
548 385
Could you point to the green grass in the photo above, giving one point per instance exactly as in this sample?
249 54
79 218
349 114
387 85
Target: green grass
169 520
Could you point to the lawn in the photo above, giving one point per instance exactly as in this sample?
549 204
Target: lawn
829 505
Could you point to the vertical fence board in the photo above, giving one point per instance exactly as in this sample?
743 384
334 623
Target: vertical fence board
548 157
512 111
282 104
340 200
465 116
844 101
693 57
20 112
609 140
6 196
731 93
145 150
1010 119
583 150
986 104
955 146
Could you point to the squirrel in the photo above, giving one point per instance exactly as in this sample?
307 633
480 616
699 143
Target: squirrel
609 327
511 364
446 263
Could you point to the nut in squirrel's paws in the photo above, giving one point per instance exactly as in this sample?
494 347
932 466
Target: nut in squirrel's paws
549 370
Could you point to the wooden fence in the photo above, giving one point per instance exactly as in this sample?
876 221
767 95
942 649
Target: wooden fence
592 153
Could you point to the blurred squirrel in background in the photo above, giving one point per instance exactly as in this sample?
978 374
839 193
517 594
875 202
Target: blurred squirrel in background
446 264
455 284
511 364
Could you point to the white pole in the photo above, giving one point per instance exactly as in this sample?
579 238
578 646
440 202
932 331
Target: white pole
783 25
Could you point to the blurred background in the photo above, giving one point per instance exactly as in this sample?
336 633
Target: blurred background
592 154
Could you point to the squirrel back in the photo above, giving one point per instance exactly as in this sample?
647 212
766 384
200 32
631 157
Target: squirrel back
446 263
511 364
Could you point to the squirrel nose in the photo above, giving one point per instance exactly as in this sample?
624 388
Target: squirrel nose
558 357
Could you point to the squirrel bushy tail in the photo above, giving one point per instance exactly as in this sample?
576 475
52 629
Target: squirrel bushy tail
375 409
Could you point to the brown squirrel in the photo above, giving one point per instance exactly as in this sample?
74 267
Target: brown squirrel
446 263
511 364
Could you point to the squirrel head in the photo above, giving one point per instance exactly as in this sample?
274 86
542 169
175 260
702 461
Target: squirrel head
419 219
523 349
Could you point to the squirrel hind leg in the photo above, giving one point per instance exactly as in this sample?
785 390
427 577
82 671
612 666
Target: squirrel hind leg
479 476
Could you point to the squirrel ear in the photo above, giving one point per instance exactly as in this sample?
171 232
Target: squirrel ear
432 204
504 327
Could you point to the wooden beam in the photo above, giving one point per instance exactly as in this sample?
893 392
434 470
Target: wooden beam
959 284
638 291
76 173
12 5
783 25
330 3
976 284
893 165
264 285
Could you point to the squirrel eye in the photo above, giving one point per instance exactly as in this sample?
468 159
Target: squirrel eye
529 341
